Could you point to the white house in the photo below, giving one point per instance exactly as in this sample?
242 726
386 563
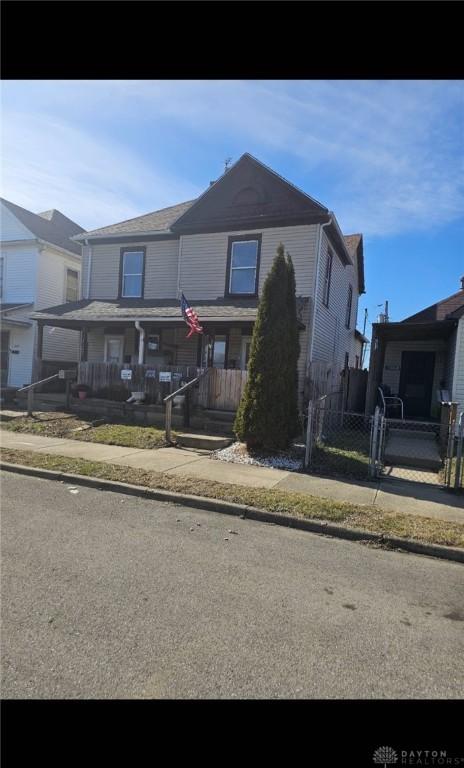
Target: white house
39 266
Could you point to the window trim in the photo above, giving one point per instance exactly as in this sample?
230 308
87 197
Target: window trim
327 278
133 249
252 237
77 272
349 307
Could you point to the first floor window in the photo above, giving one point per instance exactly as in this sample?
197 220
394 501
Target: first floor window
72 285
243 267
132 274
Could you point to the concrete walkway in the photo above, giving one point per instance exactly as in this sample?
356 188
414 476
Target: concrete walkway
413 498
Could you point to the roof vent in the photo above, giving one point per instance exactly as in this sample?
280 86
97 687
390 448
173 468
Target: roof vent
212 182
462 283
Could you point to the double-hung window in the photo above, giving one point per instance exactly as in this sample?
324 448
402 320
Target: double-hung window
327 278
132 262
349 304
243 261
72 285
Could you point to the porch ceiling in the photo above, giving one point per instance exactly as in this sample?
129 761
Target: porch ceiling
440 329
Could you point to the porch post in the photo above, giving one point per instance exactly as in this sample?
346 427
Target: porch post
37 368
84 345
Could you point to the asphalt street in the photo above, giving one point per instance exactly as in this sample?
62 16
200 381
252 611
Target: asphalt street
110 596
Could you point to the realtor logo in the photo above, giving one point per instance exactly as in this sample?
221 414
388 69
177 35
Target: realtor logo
385 756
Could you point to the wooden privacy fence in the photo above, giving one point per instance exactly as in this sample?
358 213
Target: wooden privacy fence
220 390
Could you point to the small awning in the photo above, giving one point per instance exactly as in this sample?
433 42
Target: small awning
439 329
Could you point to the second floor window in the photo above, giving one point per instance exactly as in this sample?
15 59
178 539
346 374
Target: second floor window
242 278
132 274
327 278
72 285
348 306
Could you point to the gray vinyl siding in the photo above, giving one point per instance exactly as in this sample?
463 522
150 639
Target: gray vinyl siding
203 260
450 361
458 380
160 269
332 339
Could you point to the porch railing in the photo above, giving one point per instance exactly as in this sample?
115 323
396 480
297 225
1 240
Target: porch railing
184 390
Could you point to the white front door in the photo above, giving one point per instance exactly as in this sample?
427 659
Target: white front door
245 352
114 349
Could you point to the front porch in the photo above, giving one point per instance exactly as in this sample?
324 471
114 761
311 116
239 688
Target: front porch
412 361
142 345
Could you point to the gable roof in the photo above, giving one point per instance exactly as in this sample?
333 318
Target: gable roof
452 306
354 243
249 193
157 221
52 226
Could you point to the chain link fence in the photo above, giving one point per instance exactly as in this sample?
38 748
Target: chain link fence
355 446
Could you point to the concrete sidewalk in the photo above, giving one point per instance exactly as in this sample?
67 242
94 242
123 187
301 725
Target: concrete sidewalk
387 494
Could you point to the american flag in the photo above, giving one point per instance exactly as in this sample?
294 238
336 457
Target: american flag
190 317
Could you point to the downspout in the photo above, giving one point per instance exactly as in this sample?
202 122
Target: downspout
141 340
316 289
89 268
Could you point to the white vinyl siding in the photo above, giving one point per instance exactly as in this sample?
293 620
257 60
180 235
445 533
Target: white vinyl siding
11 227
332 339
60 344
19 273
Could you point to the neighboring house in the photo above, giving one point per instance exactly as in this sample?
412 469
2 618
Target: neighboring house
420 356
360 346
217 250
39 266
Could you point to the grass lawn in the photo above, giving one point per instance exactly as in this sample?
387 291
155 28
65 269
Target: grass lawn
366 517
344 453
55 424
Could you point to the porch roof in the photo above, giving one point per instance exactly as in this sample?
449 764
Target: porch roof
439 329
92 311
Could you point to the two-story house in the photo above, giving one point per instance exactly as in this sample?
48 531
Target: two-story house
39 265
217 250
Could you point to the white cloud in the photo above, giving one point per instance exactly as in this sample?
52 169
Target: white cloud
390 152
48 163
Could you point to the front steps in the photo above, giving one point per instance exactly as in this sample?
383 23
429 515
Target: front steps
202 442
412 448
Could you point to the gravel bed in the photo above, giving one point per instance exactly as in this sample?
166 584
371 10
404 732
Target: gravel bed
237 453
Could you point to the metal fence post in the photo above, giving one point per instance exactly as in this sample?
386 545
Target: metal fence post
458 473
375 430
30 401
168 420
309 435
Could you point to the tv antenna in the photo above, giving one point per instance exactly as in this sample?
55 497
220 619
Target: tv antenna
227 162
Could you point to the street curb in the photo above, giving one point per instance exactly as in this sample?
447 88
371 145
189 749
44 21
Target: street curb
242 510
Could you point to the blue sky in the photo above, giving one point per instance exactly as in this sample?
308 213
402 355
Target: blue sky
385 156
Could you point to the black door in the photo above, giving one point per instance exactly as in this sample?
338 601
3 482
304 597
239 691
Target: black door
4 351
416 381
